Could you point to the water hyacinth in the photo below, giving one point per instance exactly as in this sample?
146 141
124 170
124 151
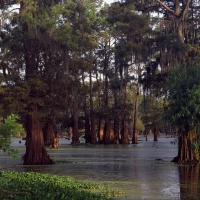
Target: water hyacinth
31 185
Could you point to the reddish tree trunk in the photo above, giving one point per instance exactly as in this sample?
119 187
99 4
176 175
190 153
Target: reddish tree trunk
107 131
124 135
112 136
101 131
87 129
135 123
49 132
75 137
93 131
54 143
186 151
92 120
116 131
36 153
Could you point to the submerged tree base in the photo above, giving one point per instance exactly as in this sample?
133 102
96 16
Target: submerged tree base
45 161
187 154
186 162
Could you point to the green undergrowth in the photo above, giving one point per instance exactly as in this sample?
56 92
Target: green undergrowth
32 186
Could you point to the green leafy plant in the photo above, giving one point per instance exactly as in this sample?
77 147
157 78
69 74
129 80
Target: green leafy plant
9 127
30 185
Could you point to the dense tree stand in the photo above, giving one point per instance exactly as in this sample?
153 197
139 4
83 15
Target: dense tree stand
36 153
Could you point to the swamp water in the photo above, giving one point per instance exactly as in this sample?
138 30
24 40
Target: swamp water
142 171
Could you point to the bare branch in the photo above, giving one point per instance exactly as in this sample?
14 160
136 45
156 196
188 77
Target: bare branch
184 11
7 13
167 8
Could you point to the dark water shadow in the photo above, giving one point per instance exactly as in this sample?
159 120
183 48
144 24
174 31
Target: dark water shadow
189 182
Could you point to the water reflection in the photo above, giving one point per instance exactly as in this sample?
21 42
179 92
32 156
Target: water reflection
189 182
142 171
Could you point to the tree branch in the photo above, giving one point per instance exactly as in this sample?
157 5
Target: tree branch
184 11
7 13
167 8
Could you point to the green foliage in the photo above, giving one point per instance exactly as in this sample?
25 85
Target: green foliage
183 96
9 127
152 112
140 125
30 185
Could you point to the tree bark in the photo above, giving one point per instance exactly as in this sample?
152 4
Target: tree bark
92 120
101 131
75 137
186 151
36 153
87 120
146 134
155 134
112 136
87 128
124 135
49 132
107 131
135 124
93 130
116 131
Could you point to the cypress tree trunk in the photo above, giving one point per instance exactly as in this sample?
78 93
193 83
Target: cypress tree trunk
155 134
116 131
107 131
112 136
87 120
75 137
187 153
87 129
101 131
49 132
35 149
93 131
135 123
92 120
146 134
124 135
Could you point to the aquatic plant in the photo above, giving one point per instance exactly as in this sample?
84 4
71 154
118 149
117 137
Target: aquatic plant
31 185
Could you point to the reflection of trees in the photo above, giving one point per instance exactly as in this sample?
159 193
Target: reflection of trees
189 179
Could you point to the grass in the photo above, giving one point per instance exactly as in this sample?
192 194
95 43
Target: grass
31 186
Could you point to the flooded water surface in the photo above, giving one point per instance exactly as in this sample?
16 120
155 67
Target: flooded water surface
142 171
